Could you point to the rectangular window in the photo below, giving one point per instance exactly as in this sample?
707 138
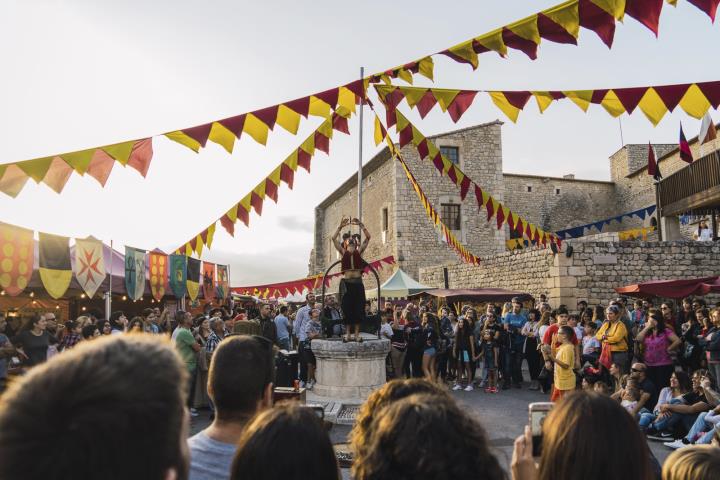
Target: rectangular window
529 189
451 153
450 214
385 220
557 191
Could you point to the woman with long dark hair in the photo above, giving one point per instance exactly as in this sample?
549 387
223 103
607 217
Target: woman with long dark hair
691 353
680 384
352 290
32 344
531 333
430 333
464 353
658 343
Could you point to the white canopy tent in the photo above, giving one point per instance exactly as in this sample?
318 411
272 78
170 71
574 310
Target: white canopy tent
399 285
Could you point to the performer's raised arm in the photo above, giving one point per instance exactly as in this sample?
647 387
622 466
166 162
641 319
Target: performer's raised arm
335 238
366 233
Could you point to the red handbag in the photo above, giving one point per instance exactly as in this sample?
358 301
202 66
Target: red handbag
606 355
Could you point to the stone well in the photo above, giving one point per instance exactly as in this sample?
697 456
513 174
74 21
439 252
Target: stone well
349 370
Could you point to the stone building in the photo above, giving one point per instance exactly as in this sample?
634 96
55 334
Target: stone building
401 228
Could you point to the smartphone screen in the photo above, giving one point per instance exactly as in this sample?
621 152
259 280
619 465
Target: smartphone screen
538 412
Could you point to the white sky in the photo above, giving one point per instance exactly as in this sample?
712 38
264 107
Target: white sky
78 74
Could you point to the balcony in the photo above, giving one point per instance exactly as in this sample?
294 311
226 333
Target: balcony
694 189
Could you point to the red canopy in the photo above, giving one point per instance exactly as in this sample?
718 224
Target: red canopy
672 288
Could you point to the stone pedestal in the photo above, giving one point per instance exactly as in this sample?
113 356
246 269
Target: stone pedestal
349 370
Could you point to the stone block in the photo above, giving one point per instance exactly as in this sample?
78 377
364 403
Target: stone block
577 271
605 259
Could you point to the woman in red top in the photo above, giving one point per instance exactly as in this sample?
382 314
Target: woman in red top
352 290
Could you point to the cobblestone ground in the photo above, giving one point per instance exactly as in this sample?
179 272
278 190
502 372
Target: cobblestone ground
504 416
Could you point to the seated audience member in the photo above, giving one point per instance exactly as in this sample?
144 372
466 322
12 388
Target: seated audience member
684 413
90 332
585 436
111 408
426 437
702 431
679 385
288 442
382 397
240 383
700 462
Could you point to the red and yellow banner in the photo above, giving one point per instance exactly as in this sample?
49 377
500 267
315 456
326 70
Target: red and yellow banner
655 101
283 289
426 149
558 24
269 186
17 255
208 281
55 170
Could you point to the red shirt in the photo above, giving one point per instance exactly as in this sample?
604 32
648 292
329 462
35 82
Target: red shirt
551 333
351 261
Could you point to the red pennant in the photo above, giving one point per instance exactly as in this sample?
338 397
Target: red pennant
267 115
478 196
437 161
271 190
464 187
287 175
422 148
708 6
512 40
598 96
630 97
598 20
300 105
711 91
322 143
406 135
193 244
517 99
199 134
671 94
553 32
646 12
527 230
256 202
393 99
500 217
452 174
228 225
341 124
390 118
457 58
329 96
304 159
490 209
426 103
234 124
357 87
460 105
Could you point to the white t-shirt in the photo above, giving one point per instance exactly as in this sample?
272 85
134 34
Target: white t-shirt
386 330
590 344
705 235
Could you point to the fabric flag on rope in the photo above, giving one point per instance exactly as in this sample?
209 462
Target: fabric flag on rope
17 255
708 131
89 264
158 274
223 281
193 278
208 280
685 153
653 166
134 272
178 275
55 269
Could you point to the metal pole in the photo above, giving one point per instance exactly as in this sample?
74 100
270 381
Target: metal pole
360 156
657 210
622 142
108 300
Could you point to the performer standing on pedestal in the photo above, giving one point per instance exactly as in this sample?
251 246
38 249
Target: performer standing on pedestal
352 290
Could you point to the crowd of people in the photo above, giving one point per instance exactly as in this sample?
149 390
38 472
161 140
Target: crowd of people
643 372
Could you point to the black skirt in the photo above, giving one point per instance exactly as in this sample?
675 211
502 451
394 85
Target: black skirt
352 301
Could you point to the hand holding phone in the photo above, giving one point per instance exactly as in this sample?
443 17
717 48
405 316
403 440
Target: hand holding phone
537 412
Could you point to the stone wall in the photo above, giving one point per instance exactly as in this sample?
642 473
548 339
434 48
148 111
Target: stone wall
554 203
418 243
591 273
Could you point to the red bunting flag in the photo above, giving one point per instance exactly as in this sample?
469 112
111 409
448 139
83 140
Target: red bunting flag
685 152
653 167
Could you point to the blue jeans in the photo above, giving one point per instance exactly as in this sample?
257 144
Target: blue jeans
284 343
647 417
700 426
685 419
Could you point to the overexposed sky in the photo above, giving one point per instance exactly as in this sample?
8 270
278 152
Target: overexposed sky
78 74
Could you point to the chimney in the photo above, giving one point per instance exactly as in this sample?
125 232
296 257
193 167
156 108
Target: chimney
569 176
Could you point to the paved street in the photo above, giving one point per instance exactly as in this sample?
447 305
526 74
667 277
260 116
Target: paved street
504 416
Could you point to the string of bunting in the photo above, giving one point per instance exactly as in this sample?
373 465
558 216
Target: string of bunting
625 235
654 101
283 289
55 170
97 162
559 24
579 231
268 187
426 149
58 264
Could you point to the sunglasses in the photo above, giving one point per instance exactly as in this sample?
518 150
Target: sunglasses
636 370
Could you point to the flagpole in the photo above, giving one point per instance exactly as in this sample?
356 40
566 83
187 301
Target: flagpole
360 156
108 300
657 209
